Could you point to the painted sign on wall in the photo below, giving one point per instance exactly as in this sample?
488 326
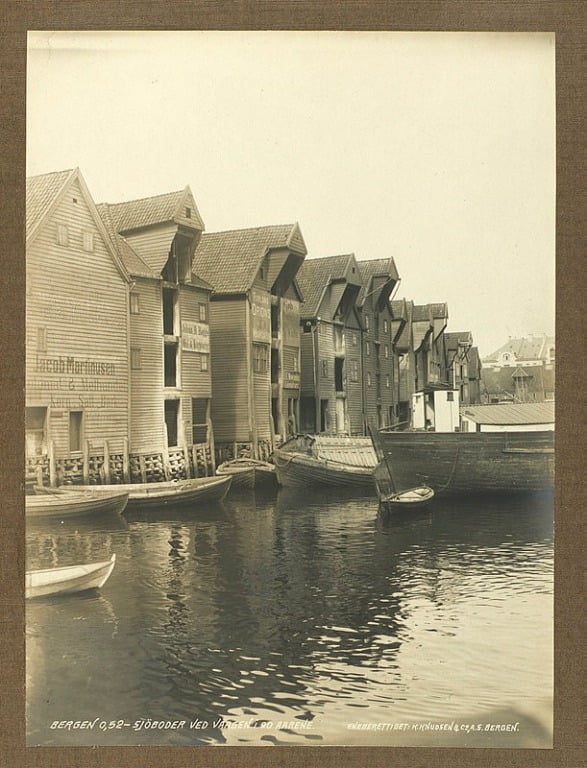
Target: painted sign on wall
291 322
261 316
195 337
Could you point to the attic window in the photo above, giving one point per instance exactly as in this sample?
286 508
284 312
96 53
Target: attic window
188 213
75 199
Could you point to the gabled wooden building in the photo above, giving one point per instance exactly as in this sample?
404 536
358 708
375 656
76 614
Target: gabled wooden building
379 279
254 325
77 319
463 366
169 338
331 346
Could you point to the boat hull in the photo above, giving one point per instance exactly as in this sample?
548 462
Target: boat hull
67 580
180 492
86 502
297 470
410 500
477 462
249 475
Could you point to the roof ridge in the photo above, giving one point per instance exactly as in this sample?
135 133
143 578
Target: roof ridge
248 229
147 197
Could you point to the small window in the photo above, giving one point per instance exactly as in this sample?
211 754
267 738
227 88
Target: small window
387 381
354 370
88 240
367 348
296 362
366 322
62 234
135 358
260 358
203 310
188 213
135 303
354 339
450 396
368 379
386 351
204 362
199 420
75 430
385 326
307 327
324 369
41 339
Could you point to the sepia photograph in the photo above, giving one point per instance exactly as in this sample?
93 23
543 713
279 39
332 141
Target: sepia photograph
290 389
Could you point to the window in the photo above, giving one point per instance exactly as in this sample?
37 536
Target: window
367 348
75 430
368 379
135 358
366 322
385 328
88 240
135 303
296 361
188 213
386 351
171 414
260 358
169 302
354 339
324 369
354 370
387 381
41 339
35 431
203 310
204 362
450 397
199 420
62 234
170 365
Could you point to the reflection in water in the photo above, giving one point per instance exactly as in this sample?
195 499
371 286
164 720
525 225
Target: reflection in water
309 613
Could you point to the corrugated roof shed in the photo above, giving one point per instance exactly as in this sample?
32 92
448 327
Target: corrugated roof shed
41 191
315 275
230 260
159 209
514 413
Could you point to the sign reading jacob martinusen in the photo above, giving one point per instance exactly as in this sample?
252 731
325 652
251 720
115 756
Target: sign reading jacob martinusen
274 616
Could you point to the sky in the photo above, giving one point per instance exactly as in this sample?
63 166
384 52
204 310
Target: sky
436 149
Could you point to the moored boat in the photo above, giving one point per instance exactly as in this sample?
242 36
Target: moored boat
82 502
174 492
68 579
393 500
333 461
471 462
248 473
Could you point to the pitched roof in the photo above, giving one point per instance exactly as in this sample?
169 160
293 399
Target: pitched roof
230 260
454 338
129 257
438 310
316 274
159 209
41 192
524 348
506 414
375 268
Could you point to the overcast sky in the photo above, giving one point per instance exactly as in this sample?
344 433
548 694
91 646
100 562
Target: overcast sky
435 148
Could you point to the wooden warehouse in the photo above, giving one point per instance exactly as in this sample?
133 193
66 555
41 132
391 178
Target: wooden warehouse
77 317
169 339
380 373
254 328
331 347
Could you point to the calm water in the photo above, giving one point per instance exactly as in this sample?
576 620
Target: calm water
299 621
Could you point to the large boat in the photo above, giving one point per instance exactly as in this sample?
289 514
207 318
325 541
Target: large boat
174 492
248 473
68 579
470 462
46 503
327 460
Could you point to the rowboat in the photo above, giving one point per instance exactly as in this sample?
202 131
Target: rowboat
391 499
471 462
332 461
174 492
82 502
248 473
68 579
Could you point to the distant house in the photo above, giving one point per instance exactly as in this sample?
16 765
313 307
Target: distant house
77 357
463 365
169 337
508 417
255 335
522 370
379 279
332 352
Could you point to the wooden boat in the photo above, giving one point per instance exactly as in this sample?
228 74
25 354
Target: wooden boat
71 578
248 473
333 461
200 489
391 498
471 462
83 502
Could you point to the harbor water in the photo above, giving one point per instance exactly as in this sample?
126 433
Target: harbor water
299 620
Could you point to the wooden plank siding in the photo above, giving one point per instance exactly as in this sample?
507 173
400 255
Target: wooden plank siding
354 388
378 336
80 299
146 334
153 244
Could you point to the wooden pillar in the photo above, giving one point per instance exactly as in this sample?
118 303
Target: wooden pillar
186 458
165 458
52 467
125 461
86 462
211 443
106 463
195 458
143 468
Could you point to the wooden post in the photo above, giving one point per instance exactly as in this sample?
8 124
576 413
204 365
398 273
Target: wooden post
195 458
143 468
106 463
39 475
212 446
52 467
165 459
86 462
186 458
125 461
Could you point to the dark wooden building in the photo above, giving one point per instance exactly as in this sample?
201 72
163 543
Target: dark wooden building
77 319
254 325
331 346
380 370
463 366
168 331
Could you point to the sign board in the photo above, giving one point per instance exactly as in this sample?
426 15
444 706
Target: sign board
195 337
291 322
261 316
